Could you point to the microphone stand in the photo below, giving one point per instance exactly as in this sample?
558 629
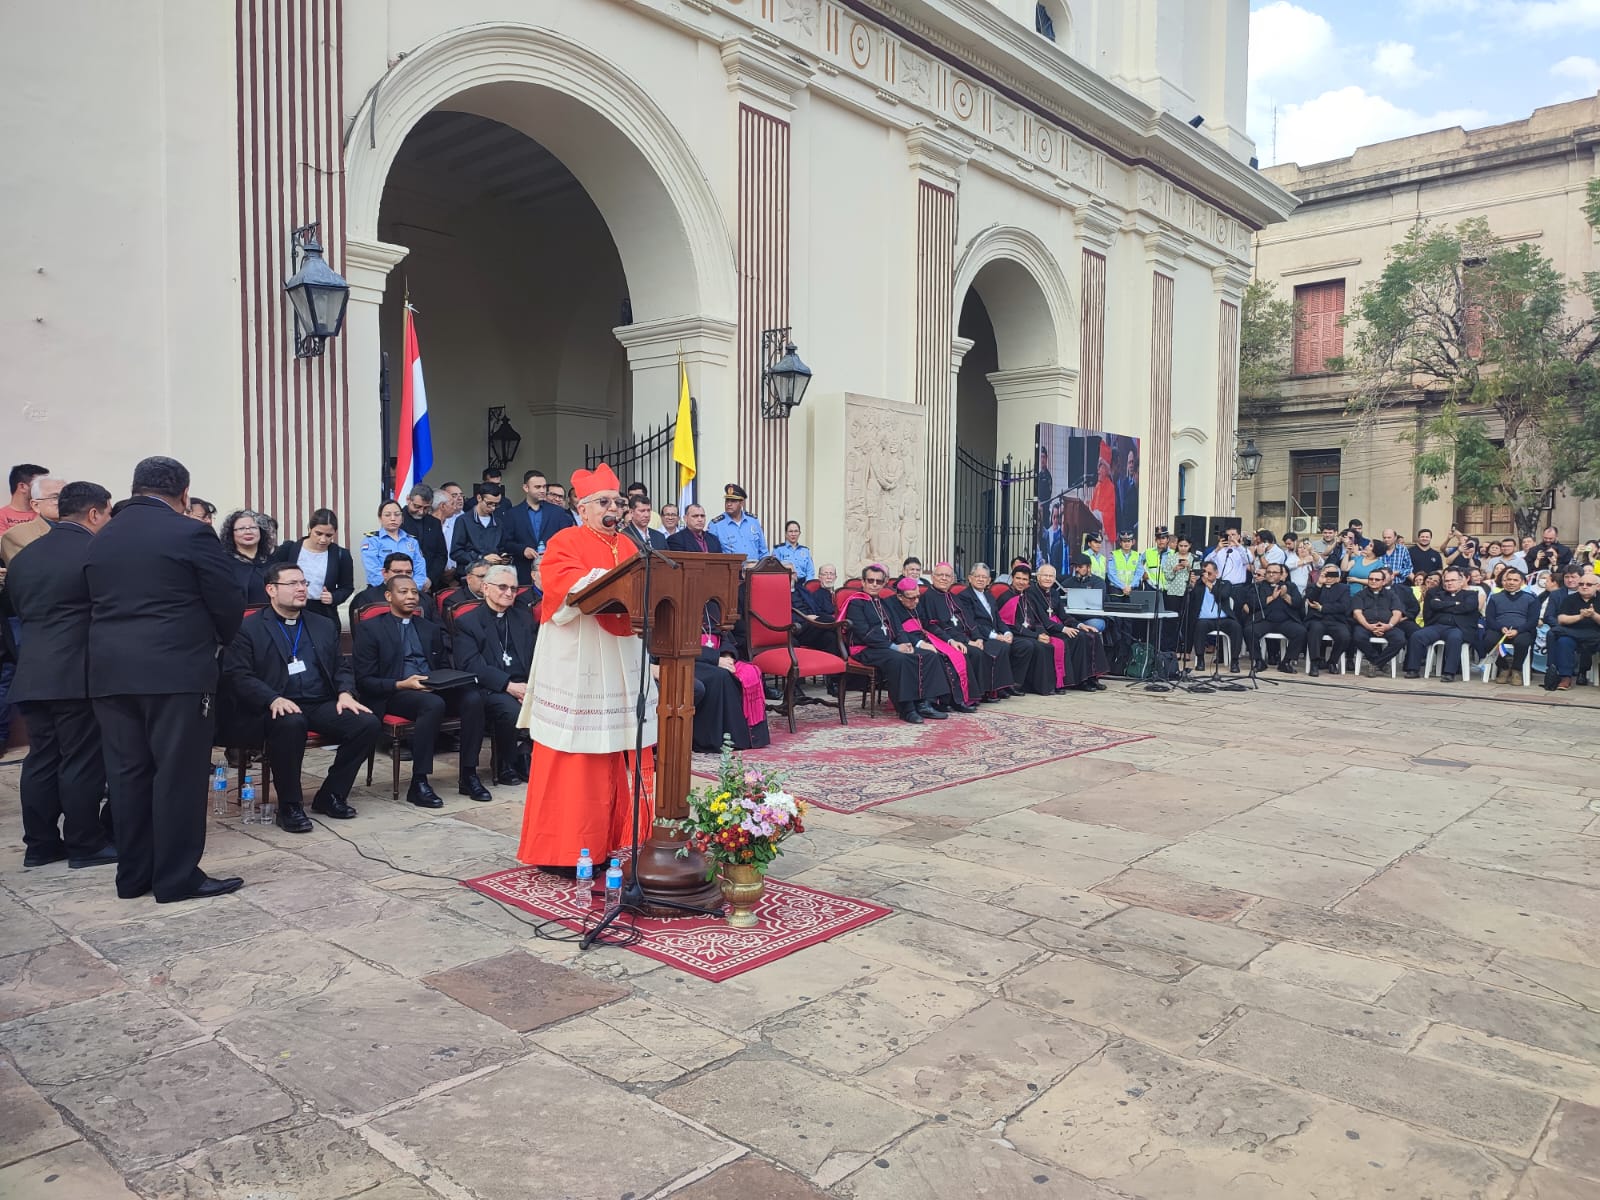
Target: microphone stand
1256 648
633 898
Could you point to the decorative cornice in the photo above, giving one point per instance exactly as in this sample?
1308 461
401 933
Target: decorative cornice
938 155
367 266
695 339
1230 279
958 350
1162 247
1031 382
1097 226
764 73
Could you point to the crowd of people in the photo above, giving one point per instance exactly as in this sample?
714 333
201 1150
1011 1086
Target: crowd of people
140 635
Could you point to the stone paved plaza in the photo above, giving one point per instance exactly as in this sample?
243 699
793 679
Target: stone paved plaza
1320 942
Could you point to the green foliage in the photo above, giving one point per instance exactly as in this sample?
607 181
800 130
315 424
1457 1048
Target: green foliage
1266 335
1482 329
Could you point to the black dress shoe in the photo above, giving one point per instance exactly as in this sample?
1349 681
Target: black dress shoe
911 717
421 794
332 806
292 819
472 786
1315 670
930 713
207 888
43 858
508 777
961 706
100 858
1096 686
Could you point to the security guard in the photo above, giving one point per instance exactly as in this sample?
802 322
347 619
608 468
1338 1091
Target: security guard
1152 559
739 531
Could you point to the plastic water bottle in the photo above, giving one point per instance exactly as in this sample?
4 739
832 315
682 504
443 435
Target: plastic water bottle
585 879
249 813
219 790
614 885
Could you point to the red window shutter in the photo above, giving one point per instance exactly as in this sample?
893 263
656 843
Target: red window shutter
1318 335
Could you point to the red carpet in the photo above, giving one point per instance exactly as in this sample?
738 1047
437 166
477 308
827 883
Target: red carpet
790 918
847 768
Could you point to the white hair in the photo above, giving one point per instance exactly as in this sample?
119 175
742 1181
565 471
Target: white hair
36 489
499 571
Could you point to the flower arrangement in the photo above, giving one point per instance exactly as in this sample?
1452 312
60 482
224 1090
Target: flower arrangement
742 819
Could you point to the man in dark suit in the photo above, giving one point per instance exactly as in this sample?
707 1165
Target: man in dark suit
286 673
418 520
64 775
396 564
495 642
694 537
982 613
1211 610
1328 615
480 533
164 600
637 525
394 655
530 524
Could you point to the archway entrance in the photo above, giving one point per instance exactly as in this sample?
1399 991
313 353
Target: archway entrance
559 241
517 285
1013 305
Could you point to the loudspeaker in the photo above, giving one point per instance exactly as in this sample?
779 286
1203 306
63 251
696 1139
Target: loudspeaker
1191 526
1217 526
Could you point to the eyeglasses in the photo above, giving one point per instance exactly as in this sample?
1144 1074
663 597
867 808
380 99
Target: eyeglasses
502 587
290 583
610 502
247 529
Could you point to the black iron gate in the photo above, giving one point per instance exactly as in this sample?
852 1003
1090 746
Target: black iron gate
996 514
645 458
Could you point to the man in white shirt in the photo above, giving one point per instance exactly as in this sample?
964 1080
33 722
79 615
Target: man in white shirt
1231 558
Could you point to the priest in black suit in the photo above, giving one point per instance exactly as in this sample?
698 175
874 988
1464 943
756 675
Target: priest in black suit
64 776
943 615
982 612
286 677
914 674
495 642
394 655
694 537
165 600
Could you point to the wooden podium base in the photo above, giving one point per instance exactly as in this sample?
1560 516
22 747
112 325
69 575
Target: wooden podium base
664 876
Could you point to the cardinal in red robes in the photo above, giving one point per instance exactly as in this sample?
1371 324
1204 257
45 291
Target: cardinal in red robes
582 692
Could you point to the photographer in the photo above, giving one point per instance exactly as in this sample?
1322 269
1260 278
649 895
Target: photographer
1231 558
1177 570
1329 614
1460 550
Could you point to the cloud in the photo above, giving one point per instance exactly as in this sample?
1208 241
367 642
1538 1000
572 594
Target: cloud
1550 16
1286 41
1396 62
1333 124
1584 73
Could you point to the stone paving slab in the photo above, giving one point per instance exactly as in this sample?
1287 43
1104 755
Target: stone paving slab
75 1172
541 1129
28 1123
1062 905
1573 1143
1156 803
1162 1014
940 1162
521 992
1346 975
750 1178
1561 1028
35 980
267 1164
790 1114
165 1106
1369 936
634 1041
1164 1128
1262 870
1547 978
1173 894
1537 1069
1205 941
1371 1022
1103 948
93 1037
1458 1102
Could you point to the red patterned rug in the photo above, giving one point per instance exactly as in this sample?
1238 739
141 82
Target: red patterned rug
789 918
847 768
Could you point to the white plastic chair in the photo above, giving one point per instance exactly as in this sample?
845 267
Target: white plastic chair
1223 648
1325 638
1527 668
1261 646
1394 663
1428 665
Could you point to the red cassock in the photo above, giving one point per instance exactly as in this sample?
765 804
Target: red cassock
580 711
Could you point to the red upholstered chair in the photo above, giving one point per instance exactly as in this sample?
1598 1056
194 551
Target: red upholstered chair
957 588
769 604
997 591
443 594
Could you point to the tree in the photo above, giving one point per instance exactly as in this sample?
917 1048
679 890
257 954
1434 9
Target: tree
1480 333
1266 335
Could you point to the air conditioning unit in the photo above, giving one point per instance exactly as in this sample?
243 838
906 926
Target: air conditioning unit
1301 526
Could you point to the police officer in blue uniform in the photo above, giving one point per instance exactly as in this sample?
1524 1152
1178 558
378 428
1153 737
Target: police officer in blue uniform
739 531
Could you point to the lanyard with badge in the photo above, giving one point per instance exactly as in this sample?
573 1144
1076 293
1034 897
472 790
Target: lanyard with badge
297 666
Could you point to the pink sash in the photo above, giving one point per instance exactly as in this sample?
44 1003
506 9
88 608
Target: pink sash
958 659
755 698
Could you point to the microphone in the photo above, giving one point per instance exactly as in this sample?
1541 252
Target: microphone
610 520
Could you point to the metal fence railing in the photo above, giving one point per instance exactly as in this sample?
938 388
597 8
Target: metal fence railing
996 512
642 458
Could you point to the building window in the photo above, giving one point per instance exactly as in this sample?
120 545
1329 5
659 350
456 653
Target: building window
1314 483
1485 520
1043 24
1184 470
1318 336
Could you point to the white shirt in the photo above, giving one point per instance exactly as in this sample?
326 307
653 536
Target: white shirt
314 565
1233 563
449 534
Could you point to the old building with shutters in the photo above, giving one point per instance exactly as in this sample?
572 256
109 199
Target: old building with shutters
1528 179
969 215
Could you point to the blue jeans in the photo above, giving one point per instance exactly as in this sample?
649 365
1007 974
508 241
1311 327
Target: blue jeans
1564 653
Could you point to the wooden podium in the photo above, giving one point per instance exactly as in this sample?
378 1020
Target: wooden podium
679 586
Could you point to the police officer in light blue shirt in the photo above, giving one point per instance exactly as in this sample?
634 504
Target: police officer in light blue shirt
737 530
793 555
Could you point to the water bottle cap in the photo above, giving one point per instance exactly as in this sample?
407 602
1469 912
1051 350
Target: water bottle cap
583 853
616 862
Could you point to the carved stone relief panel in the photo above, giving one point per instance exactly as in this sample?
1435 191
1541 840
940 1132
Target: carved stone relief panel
885 492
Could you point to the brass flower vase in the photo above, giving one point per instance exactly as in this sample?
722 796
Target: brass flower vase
742 887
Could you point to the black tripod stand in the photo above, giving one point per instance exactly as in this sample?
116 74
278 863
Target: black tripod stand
633 898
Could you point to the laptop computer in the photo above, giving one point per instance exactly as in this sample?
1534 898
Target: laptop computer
1085 599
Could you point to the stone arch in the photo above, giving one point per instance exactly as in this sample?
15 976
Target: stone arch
1027 296
641 174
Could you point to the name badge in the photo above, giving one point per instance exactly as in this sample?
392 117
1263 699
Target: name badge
296 667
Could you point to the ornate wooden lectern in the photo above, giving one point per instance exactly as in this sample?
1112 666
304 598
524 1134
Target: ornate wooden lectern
679 587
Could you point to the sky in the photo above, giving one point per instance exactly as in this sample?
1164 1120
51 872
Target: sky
1345 73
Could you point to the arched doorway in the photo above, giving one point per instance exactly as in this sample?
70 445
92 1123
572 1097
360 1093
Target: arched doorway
570 238
1020 369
